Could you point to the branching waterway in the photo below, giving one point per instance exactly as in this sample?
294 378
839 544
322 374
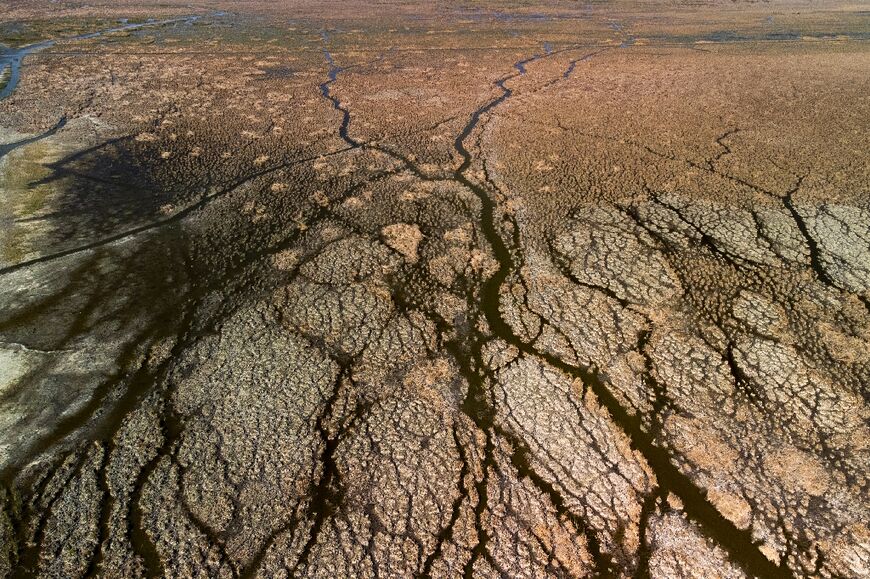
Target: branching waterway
739 543
433 301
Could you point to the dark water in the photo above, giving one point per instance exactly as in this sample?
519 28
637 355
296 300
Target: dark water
325 91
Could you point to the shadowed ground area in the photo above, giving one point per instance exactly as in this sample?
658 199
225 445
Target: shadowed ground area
348 289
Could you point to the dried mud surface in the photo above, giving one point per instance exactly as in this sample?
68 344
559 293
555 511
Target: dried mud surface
489 290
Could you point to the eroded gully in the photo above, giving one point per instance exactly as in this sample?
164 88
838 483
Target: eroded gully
738 543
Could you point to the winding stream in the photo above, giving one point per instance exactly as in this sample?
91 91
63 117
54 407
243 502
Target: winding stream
12 59
738 543
334 71
10 62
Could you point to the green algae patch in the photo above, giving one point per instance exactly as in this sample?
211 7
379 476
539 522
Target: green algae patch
26 196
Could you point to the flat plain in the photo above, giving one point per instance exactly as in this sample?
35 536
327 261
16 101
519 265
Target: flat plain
481 289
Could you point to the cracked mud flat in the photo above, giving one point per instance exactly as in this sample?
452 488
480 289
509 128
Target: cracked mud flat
438 291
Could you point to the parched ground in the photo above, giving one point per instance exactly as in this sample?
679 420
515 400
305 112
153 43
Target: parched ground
356 290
